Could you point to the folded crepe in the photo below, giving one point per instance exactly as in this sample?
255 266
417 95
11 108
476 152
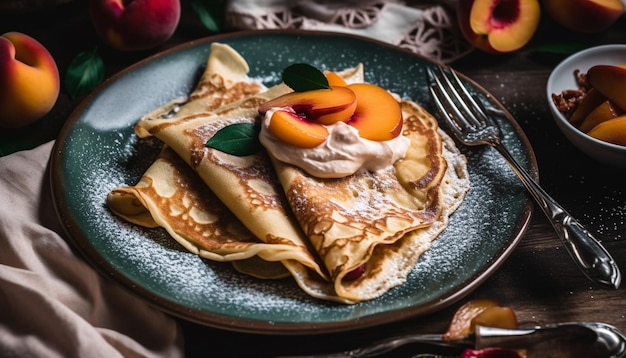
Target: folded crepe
170 195
247 185
156 200
321 230
224 80
378 223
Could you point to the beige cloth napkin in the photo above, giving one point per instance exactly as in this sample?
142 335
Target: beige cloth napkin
428 28
52 303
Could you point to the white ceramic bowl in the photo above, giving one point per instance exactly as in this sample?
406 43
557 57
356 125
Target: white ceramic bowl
562 78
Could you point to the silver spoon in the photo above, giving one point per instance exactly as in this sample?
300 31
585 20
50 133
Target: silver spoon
575 339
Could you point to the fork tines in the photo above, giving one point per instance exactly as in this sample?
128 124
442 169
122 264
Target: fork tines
463 114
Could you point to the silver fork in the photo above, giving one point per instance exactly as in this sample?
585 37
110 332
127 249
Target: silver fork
471 123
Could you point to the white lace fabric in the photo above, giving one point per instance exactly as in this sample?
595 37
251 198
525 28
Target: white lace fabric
429 30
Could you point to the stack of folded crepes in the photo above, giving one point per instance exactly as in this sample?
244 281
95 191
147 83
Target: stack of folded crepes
346 240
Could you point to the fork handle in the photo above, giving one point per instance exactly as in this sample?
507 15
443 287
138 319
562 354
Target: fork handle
588 253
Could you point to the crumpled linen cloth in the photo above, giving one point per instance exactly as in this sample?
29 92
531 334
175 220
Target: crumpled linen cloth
426 28
52 303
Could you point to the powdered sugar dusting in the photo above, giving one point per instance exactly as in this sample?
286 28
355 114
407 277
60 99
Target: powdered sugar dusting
97 160
160 265
151 258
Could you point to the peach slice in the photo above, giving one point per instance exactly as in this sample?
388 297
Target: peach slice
603 112
377 115
461 321
334 80
612 131
326 106
610 81
590 101
295 130
480 312
501 317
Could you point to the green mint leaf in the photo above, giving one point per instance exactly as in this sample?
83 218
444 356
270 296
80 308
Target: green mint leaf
302 77
210 12
237 139
85 72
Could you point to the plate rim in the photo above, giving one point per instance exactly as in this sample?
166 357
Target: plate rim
247 325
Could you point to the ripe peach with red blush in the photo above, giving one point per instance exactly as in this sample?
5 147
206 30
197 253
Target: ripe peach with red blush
132 25
29 80
586 16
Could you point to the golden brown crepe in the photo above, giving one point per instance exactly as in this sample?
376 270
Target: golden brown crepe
319 229
248 184
224 80
170 195
360 221
390 207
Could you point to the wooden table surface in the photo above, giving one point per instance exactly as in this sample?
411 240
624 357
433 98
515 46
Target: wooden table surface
539 280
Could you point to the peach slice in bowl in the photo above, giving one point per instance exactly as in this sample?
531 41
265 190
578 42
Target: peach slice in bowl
562 78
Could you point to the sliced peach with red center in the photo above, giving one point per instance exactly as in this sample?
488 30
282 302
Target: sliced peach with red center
377 115
326 106
498 26
370 109
294 129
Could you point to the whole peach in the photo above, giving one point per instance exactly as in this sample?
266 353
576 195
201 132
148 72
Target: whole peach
29 80
498 26
587 16
132 25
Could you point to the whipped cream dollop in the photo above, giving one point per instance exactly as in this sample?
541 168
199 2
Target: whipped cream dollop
343 153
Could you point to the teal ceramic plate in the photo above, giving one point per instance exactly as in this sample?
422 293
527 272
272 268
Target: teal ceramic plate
98 151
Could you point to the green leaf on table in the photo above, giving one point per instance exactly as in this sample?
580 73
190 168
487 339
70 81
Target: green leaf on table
210 12
85 72
301 77
238 139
